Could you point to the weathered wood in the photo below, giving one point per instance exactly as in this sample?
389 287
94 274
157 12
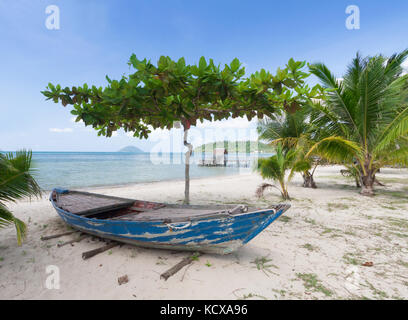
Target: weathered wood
86 204
80 238
186 261
379 183
58 235
94 252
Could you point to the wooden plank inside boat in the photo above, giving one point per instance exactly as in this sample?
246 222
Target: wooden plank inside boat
85 204
172 214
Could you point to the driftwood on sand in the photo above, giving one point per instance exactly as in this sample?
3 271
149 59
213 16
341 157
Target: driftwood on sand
179 266
58 235
94 252
80 238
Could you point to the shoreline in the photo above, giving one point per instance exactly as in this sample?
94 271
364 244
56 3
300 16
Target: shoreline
134 184
117 169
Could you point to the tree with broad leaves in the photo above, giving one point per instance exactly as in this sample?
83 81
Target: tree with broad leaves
156 96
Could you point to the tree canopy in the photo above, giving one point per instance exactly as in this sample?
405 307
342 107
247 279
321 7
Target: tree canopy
158 95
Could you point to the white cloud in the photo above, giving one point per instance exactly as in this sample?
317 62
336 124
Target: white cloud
159 134
405 66
60 130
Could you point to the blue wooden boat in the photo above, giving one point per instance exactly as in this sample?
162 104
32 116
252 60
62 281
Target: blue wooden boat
214 229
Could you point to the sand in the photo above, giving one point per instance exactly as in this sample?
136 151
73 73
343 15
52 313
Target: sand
316 251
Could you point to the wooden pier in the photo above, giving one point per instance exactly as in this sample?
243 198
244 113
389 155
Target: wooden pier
239 163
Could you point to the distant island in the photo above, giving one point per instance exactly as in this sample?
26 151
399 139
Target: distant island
238 146
131 149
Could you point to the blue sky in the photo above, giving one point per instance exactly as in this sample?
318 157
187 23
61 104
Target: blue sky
97 37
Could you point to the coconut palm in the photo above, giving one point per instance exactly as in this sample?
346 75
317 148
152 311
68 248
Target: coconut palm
293 131
364 116
275 168
16 182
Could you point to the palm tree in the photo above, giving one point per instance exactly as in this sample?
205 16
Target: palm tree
275 168
293 131
364 116
16 182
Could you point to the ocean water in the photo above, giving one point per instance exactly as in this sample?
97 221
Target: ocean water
88 169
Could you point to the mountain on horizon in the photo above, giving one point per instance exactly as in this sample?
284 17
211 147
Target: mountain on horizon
131 149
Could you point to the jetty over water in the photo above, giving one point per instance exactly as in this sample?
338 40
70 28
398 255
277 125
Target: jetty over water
221 158
239 163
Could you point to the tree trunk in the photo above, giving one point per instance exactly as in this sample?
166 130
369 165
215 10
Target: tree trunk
187 166
367 185
367 180
285 195
284 192
358 184
308 181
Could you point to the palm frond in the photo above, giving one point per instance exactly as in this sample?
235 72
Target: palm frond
398 156
16 182
7 218
16 177
336 149
301 165
327 78
271 168
262 187
394 68
395 129
340 102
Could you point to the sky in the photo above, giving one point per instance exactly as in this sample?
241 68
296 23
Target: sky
96 38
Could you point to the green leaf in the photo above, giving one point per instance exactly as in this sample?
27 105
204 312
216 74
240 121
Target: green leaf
202 64
235 64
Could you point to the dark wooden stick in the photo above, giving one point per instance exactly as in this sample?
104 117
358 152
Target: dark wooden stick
58 235
94 252
379 183
179 266
72 241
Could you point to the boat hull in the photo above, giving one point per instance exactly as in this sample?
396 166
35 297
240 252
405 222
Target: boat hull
216 235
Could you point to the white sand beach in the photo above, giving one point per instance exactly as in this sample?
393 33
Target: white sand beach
315 251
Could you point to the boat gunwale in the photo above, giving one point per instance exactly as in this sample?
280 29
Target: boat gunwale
269 211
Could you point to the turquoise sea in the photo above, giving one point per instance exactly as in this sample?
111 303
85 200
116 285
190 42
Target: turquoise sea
88 169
